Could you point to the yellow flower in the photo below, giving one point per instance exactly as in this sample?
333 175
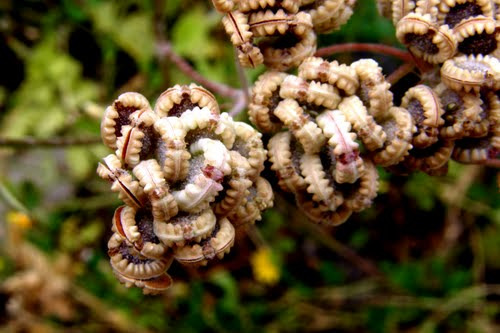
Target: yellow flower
264 269
19 219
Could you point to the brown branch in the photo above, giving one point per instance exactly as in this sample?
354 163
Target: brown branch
30 142
359 47
164 49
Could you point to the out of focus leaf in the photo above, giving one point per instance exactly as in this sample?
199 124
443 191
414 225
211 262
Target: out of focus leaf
52 89
132 32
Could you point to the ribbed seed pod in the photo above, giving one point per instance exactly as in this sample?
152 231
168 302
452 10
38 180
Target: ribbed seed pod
187 175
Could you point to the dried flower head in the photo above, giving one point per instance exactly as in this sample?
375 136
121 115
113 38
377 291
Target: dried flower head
280 34
188 176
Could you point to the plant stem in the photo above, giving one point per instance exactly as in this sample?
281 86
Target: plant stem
367 47
33 142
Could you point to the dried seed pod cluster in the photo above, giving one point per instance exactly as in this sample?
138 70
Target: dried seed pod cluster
280 34
329 109
340 123
437 31
188 175
456 113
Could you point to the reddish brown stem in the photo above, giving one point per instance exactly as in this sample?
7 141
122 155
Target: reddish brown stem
164 49
367 47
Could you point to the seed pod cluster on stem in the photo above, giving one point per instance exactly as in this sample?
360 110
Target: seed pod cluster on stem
280 34
333 123
188 176
460 41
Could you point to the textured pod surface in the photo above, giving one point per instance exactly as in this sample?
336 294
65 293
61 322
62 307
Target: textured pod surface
188 176
280 34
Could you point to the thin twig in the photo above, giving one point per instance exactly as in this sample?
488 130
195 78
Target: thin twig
239 105
30 142
164 49
400 72
242 77
367 47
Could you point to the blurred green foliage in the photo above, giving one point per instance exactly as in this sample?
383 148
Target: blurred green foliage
434 240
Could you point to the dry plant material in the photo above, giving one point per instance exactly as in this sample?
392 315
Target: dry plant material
187 175
280 34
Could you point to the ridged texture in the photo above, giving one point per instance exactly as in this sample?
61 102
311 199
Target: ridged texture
187 175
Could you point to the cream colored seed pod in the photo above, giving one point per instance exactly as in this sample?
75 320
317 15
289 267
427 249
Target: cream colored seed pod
268 23
284 58
236 189
249 55
425 40
249 144
400 8
173 130
151 286
129 145
319 213
284 155
216 245
149 174
320 185
478 150
430 158
163 204
425 108
111 167
129 190
471 73
373 88
225 130
399 128
312 93
341 76
337 129
302 126
365 189
451 12
265 98
117 115
128 263
206 173
185 227
260 197
136 227
237 27
427 7
335 22
323 11
176 100
223 6
477 35
462 112
291 6
366 128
